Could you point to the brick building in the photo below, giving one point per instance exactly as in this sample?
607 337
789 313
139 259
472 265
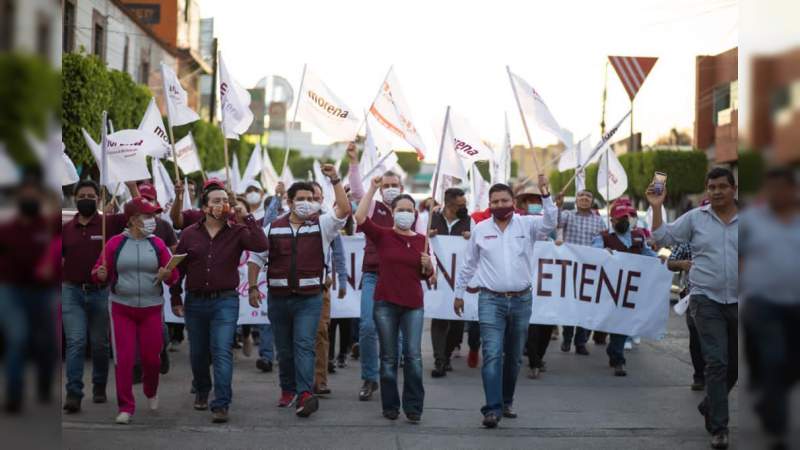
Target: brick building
716 106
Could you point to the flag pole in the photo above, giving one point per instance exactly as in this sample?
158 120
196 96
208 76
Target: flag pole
169 125
377 164
524 122
294 119
103 181
436 176
224 138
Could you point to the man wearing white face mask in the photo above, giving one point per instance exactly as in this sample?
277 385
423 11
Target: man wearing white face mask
380 213
298 245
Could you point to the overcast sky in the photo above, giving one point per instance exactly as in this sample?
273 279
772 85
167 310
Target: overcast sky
455 52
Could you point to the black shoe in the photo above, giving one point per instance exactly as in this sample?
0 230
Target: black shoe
543 366
619 370
355 351
322 390
438 371
164 369
703 409
219 415
490 420
331 367
698 385
719 440
99 393
509 413
201 401
391 414
581 350
341 361
72 404
367 390
565 346
137 374
264 365
306 405
448 367
413 418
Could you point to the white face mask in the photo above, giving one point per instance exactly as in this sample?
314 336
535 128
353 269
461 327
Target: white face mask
305 209
148 225
404 219
389 194
253 198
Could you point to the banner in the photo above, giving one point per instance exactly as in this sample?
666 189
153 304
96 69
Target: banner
126 156
175 97
320 107
391 111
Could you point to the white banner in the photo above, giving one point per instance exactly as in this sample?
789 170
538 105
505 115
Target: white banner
126 156
320 107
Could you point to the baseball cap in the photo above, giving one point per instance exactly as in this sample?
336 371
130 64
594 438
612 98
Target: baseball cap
147 191
620 210
213 182
141 205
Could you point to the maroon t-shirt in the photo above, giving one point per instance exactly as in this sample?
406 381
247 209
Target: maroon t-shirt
22 245
400 270
82 244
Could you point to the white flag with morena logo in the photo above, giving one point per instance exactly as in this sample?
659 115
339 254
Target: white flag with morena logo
320 107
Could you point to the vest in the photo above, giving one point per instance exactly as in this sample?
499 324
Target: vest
614 243
439 223
296 261
382 216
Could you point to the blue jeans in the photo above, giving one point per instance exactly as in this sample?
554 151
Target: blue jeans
367 336
616 349
294 321
391 320
266 344
504 331
82 313
211 325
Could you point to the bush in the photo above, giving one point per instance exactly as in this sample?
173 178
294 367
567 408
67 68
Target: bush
751 171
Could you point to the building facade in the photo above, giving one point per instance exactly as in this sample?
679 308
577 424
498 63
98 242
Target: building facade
716 124
31 26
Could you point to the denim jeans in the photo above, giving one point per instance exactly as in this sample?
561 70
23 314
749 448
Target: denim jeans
581 335
294 321
367 336
390 320
504 330
718 327
616 349
266 343
82 313
211 325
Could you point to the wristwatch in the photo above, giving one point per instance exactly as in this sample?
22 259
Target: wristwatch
336 181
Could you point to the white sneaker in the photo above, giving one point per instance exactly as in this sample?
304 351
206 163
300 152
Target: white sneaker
152 403
628 345
123 418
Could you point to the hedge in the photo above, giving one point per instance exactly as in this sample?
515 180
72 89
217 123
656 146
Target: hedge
685 170
751 171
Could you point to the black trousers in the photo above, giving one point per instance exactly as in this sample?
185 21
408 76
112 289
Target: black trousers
538 340
345 327
446 335
696 352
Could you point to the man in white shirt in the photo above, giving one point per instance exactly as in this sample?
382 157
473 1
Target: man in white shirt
499 256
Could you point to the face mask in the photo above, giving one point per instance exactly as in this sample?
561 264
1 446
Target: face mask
305 209
622 226
404 219
534 208
29 207
253 198
220 212
86 207
503 212
148 226
462 213
389 194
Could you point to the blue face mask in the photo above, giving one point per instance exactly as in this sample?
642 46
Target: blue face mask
534 208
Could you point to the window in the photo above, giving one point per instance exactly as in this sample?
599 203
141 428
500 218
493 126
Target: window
7 15
68 27
722 101
43 36
99 35
125 54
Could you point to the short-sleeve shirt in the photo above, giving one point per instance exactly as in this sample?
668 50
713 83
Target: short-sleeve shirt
581 229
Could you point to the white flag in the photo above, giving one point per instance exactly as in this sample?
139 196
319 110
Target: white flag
376 146
236 177
392 112
604 141
320 107
58 167
328 196
269 177
165 189
612 181
9 174
235 104
187 198
254 166
70 174
534 106
157 143
287 177
125 156
188 158
464 141
576 157
480 191
178 110
501 163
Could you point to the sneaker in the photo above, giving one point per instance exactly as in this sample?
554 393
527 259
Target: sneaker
322 389
619 370
413 418
719 440
99 393
391 414
307 404
367 389
341 361
472 359
287 399
355 351
628 344
566 346
152 403
438 370
555 334
219 415
509 413
448 367
581 350
533 373
201 401
457 352
264 365
123 418
164 367
72 404
490 420
247 346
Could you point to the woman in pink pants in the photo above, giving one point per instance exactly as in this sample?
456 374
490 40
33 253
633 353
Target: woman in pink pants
133 264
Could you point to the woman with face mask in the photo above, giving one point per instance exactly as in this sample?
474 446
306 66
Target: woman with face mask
134 265
398 298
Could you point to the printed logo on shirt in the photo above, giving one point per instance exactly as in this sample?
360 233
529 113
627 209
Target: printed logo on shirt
96 237
490 236
381 212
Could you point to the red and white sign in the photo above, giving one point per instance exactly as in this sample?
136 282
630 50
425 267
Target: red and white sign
632 71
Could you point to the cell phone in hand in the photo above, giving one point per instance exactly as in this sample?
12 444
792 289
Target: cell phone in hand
659 182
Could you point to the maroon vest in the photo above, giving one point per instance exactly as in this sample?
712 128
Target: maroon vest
296 261
612 241
382 216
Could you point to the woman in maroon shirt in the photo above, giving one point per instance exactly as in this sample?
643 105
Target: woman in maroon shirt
398 301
